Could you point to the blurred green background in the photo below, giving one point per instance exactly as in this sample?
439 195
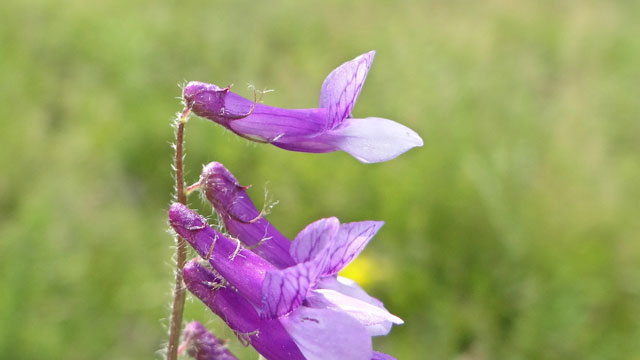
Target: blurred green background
512 234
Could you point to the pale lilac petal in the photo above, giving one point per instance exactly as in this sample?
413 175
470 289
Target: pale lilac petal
381 356
377 320
323 334
373 140
349 242
349 288
314 239
284 290
341 88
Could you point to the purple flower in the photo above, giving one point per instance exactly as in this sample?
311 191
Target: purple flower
201 344
325 334
314 316
245 222
325 129
240 216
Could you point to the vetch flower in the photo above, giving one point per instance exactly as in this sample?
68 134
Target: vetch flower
325 334
244 222
232 203
310 314
201 344
328 128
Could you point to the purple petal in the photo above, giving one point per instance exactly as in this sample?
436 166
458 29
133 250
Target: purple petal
242 268
241 218
377 320
201 344
348 287
268 337
349 242
221 299
373 140
284 290
270 124
323 334
341 88
314 239
249 119
381 356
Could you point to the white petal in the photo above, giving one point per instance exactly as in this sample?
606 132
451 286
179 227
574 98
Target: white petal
323 334
372 140
376 319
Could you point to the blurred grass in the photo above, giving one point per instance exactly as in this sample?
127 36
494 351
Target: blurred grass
513 234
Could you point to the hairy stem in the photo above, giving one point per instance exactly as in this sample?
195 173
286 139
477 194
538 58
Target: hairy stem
181 246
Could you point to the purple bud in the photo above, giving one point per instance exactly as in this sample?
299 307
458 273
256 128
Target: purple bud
201 344
237 210
242 268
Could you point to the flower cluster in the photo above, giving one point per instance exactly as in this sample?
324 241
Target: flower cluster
285 297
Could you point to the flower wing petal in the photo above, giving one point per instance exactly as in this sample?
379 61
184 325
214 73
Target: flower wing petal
348 287
342 86
376 319
349 242
373 140
314 239
323 334
284 290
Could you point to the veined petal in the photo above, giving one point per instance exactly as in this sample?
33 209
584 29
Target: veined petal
377 320
220 298
268 337
323 334
314 239
342 86
271 124
350 288
284 290
350 240
372 139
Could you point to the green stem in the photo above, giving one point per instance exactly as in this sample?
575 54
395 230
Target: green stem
181 247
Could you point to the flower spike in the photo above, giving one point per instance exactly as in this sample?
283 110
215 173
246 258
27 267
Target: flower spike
325 239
